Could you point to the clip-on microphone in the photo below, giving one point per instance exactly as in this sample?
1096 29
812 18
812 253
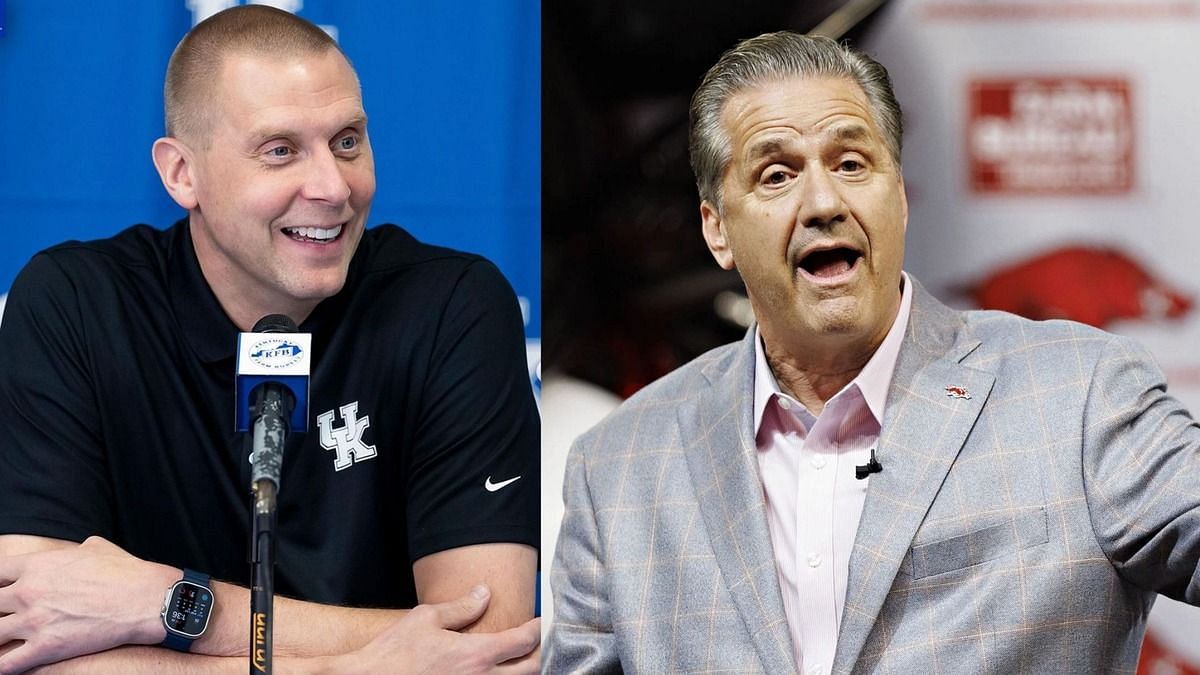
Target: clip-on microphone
863 470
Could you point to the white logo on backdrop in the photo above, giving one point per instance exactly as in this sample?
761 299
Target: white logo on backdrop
533 350
533 360
202 9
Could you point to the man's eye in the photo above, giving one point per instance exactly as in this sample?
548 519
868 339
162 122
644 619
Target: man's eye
347 143
777 177
850 165
279 151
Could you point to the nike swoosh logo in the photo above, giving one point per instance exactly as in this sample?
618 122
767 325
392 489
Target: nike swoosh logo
492 487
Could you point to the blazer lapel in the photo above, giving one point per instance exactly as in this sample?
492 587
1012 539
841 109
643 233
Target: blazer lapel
925 425
722 464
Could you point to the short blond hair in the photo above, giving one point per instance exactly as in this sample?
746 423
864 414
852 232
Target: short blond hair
196 63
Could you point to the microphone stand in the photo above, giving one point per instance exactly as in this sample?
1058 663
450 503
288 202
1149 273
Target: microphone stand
262 572
269 433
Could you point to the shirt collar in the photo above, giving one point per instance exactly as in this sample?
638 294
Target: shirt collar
210 332
206 328
872 381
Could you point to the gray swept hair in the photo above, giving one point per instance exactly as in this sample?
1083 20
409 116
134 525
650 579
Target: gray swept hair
771 57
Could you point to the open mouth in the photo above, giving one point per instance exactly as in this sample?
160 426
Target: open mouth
830 263
314 235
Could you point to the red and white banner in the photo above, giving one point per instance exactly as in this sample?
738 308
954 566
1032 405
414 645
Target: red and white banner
1049 156
1038 135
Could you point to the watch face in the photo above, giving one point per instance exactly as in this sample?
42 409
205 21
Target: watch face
188 609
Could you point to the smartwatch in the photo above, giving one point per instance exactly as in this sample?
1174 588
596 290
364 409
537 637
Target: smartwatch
186 610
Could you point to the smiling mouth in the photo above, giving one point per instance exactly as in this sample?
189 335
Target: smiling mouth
314 235
830 263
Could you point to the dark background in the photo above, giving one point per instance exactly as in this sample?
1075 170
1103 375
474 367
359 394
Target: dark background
629 288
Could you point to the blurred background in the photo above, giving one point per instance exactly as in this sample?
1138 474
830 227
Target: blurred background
1049 157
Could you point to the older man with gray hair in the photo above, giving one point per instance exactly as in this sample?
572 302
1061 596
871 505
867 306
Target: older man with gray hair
869 481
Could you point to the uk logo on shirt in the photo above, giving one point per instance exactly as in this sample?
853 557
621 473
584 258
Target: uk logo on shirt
345 441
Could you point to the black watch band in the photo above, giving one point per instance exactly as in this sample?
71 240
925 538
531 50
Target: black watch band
177 641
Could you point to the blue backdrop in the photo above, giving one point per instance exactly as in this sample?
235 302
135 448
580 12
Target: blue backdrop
453 96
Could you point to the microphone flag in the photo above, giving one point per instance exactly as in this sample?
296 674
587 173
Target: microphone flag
284 358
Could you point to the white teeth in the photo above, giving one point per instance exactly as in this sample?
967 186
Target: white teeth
314 233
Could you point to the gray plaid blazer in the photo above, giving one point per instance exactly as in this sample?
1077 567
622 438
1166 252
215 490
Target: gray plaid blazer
1025 529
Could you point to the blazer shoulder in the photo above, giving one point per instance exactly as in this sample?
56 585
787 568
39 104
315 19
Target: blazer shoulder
1004 332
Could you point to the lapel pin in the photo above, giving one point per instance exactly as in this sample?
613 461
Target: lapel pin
954 391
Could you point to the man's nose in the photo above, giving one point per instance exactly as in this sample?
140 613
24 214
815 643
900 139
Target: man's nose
325 181
821 202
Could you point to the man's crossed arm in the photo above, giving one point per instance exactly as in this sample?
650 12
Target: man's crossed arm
78 605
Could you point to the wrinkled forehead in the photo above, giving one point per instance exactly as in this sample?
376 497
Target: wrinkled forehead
763 118
249 86
804 105
839 132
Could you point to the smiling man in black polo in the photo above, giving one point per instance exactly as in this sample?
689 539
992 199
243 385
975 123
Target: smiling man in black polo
416 482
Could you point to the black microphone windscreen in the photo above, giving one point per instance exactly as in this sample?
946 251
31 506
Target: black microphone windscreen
274 323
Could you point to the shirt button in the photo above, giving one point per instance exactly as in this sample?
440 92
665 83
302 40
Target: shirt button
814 559
818 461
784 403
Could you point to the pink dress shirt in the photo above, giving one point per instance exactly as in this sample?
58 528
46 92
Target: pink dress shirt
813 499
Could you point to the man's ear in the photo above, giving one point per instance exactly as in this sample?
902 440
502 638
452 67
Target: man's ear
175 165
714 235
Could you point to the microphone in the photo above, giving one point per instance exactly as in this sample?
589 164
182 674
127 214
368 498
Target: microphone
272 390
863 470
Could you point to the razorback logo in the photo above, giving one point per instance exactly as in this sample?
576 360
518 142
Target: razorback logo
1095 286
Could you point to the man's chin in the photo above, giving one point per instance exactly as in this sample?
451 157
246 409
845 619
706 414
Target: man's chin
837 317
317 288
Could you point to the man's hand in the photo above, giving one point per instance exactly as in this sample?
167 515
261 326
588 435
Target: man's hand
77 600
426 641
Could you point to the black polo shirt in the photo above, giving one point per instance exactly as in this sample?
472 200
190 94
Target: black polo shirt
117 404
